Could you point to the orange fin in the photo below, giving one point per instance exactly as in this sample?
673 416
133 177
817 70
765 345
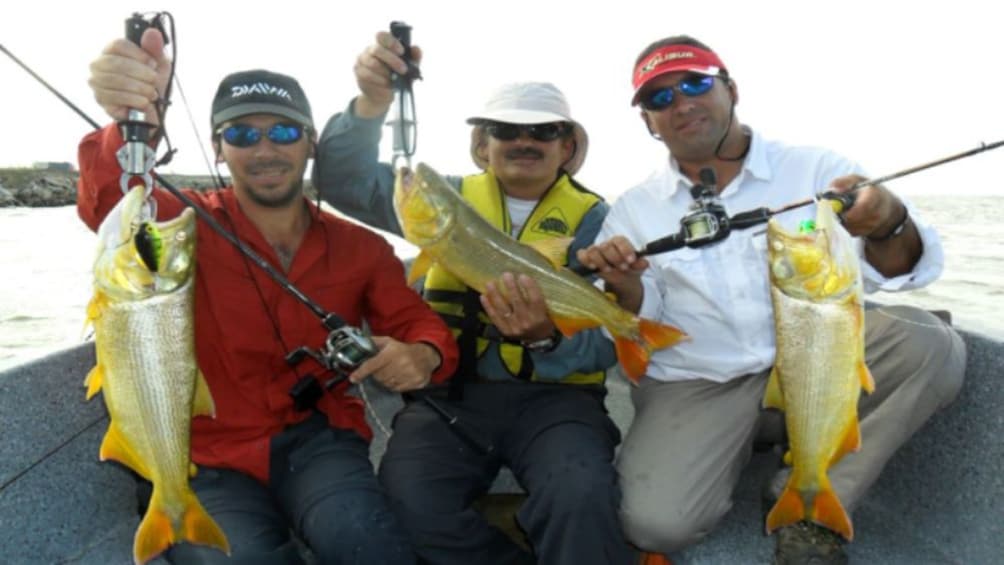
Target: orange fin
419 267
156 532
867 382
554 249
851 441
116 447
827 511
571 326
632 357
202 404
773 398
789 508
657 335
95 378
199 527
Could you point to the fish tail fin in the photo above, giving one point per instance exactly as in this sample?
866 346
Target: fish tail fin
157 532
789 508
200 528
827 511
657 335
633 358
633 354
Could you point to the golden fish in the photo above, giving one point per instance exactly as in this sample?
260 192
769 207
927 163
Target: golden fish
450 232
142 316
819 368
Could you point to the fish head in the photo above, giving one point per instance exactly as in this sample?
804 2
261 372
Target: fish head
139 257
425 204
818 263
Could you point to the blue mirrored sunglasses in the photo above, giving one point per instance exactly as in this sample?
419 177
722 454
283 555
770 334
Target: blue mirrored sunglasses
662 98
243 135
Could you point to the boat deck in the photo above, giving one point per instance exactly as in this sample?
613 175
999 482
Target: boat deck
938 501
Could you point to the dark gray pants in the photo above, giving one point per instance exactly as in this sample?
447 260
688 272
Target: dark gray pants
322 487
559 443
690 440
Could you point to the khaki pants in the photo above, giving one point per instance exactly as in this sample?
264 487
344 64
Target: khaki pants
689 441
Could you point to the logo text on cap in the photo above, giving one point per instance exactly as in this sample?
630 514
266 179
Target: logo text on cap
663 57
238 90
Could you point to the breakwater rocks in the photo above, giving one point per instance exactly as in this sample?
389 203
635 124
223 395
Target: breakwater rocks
39 188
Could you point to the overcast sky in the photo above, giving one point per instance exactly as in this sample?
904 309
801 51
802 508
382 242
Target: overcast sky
890 87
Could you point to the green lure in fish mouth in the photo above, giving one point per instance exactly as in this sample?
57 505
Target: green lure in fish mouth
806 227
149 245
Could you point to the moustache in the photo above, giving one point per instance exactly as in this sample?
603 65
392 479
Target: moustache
269 164
521 152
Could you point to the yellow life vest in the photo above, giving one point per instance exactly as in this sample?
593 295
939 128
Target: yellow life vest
557 214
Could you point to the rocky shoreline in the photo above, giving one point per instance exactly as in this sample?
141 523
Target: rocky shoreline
41 188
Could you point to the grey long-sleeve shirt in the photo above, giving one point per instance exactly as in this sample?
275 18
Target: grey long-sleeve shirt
349 176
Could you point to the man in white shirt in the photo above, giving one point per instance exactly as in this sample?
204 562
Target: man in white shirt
698 409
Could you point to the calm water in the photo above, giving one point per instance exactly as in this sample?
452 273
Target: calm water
46 254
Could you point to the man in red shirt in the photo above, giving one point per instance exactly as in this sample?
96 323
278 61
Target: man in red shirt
265 466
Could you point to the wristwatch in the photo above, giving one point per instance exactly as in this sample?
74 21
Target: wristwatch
544 345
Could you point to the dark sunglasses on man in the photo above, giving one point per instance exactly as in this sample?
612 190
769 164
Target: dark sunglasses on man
690 86
243 135
541 132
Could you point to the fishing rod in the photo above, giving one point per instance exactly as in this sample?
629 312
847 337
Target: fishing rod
346 346
707 221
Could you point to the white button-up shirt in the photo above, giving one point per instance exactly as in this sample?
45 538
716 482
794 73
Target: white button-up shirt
720 294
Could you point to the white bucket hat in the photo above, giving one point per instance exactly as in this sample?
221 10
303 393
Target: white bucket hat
529 103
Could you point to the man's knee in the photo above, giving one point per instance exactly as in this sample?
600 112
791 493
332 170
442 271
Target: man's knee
666 526
356 529
663 531
926 347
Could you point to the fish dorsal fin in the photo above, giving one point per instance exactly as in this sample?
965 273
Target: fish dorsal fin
554 249
116 446
203 404
419 267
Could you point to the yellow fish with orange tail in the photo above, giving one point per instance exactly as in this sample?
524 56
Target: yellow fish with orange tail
452 234
819 369
144 339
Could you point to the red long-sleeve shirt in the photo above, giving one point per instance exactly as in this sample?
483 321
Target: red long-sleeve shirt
342 267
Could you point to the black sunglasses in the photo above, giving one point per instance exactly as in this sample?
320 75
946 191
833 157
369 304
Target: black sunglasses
541 132
243 135
690 86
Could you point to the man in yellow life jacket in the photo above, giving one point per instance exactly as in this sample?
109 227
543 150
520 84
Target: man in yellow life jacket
533 397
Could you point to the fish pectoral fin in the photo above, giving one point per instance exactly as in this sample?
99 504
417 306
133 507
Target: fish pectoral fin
571 326
788 509
867 382
95 378
203 404
554 249
827 511
116 447
419 267
773 398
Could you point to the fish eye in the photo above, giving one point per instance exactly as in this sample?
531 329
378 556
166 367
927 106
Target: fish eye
777 245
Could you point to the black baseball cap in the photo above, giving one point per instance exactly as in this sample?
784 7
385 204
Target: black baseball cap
260 92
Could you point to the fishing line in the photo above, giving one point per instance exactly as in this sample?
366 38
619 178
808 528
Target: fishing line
51 452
